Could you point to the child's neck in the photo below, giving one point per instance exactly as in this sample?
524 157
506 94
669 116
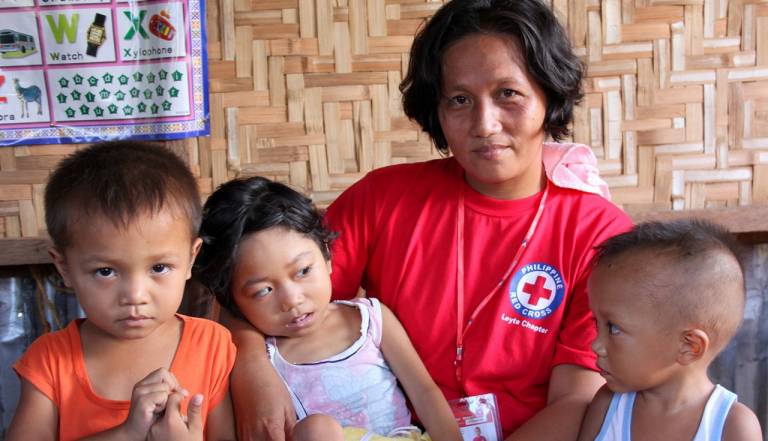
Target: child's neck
689 386
339 329
672 410
114 365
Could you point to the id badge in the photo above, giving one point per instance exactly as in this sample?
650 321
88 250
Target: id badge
478 417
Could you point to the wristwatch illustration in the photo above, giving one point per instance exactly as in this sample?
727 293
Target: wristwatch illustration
96 34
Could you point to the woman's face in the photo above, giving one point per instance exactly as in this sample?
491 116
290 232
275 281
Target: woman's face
492 114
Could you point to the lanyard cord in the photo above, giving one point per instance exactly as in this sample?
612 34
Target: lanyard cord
461 331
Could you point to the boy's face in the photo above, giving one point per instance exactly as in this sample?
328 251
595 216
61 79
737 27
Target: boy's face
129 280
281 282
636 345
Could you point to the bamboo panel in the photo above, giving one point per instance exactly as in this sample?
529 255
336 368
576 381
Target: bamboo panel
306 92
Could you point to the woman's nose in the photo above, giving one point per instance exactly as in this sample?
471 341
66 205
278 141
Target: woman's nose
486 119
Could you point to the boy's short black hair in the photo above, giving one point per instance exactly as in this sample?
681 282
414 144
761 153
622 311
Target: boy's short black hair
706 261
545 47
119 180
244 206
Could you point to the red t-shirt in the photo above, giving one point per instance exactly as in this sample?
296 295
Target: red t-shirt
54 364
398 240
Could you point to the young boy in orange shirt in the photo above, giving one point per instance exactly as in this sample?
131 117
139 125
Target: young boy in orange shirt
667 298
123 217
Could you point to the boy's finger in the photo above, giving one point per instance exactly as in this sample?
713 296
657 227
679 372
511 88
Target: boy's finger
162 375
141 390
173 406
195 413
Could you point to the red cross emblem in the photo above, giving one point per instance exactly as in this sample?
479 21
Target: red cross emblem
537 291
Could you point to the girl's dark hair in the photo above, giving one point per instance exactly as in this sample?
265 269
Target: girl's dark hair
244 206
543 41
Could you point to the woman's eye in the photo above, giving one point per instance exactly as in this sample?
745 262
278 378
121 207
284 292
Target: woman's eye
160 268
459 100
263 292
105 272
508 93
613 329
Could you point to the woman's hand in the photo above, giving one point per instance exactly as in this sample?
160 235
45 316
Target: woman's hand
263 407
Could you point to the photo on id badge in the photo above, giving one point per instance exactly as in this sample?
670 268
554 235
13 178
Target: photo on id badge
478 417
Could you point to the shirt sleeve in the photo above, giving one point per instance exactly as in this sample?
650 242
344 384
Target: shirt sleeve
574 345
225 351
352 216
37 366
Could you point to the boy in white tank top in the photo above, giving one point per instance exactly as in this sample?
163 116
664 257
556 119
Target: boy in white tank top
667 298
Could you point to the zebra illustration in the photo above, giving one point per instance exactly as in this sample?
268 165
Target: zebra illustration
27 95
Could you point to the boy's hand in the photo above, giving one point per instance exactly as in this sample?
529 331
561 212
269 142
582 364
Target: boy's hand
148 401
173 426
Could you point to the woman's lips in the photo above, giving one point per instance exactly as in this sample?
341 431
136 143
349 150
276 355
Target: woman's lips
491 152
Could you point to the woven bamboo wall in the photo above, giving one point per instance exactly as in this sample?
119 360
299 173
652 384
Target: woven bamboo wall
305 91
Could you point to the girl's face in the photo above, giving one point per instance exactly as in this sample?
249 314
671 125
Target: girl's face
636 349
281 282
492 114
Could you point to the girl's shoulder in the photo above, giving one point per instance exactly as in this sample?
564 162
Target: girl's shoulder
364 314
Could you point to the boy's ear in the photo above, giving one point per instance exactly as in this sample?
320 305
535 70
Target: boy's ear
196 245
694 343
61 265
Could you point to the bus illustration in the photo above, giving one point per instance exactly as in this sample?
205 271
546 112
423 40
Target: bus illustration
15 44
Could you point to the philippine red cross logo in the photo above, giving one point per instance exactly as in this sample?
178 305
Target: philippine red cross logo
536 290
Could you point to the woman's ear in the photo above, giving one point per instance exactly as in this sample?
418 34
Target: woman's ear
694 343
61 265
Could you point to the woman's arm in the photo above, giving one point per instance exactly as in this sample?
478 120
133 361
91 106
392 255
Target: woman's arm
220 424
36 418
262 406
571 389
425 396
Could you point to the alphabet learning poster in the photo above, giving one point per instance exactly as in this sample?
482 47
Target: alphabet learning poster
74 71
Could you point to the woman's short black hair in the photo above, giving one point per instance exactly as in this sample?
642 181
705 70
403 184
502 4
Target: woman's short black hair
543 41
244 206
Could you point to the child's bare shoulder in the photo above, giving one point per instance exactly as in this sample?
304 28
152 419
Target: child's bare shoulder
742 425
593 420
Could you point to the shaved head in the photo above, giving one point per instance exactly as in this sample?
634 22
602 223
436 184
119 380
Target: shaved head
687 270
